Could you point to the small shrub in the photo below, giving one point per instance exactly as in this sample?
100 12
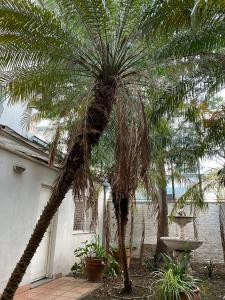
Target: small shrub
173 280
94 249
78 268
210 267
112 268
150 264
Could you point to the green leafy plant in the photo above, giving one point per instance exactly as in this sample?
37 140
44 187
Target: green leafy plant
152 263
91 249
94 249
78 268
173 281
180 267
113 266
210 267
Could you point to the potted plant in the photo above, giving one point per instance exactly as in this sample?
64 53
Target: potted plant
93 260
174 283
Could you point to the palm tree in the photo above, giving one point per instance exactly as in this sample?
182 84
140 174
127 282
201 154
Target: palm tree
193 33
182 139
51 51
122 157
131 165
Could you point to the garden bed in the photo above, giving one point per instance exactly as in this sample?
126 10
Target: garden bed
213 289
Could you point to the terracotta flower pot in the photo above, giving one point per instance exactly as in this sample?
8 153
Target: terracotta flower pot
94 268
196 296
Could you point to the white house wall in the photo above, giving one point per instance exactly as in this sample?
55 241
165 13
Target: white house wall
19 199
67 240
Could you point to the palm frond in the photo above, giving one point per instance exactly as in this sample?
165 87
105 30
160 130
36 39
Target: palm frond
194 197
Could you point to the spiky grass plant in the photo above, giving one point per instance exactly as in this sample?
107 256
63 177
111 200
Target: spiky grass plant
171 286
173 281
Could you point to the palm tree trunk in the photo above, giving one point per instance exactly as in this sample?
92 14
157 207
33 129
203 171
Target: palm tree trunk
173 184
127 283
163 227
222 229
121 204
95 122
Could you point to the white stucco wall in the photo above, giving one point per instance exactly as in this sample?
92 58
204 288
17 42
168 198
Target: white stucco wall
19 197
19 200
67 240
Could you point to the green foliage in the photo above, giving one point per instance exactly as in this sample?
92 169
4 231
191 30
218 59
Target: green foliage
173 280
210 267
171 53
94 249
171 285
180 267
112 267
152 263
78 268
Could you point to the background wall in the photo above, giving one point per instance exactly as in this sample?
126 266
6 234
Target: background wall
207 225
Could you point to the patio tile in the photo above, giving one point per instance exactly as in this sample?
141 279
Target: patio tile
39 290
75 290
69 278
66 288
71 283
46 297
72 294
32 295
65 298
54 292
52 285
61 280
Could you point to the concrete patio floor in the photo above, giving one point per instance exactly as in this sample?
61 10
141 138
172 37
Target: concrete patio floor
65 288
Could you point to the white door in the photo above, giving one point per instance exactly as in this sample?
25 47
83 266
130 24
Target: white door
39 263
